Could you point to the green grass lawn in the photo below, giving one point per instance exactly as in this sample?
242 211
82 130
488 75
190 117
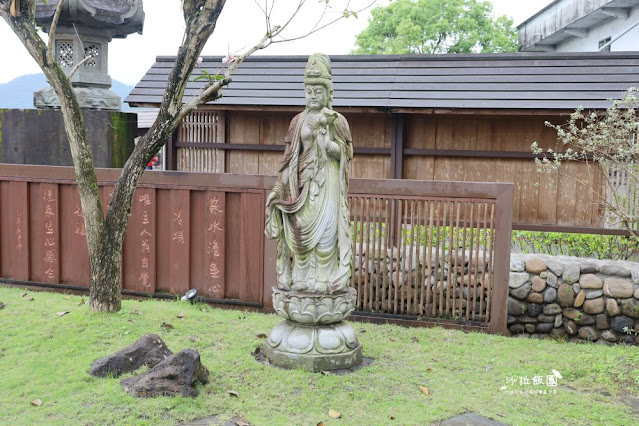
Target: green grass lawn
46 356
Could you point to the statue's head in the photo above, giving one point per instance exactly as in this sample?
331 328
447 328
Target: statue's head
317 76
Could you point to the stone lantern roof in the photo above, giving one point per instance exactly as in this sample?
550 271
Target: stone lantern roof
120 17
83 33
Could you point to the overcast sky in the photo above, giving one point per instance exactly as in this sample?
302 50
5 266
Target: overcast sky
240 25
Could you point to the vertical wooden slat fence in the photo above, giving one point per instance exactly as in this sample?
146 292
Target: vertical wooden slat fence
432 251
426 251
196 133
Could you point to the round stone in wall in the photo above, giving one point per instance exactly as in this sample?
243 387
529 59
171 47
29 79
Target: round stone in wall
534 297
565 295
550 295
522 292
588 267
571 273
612 307
590 281
555 267
517 279
630 308
535 265
552 309
588 333
517 265
609 336
538 284
617 270
618 287
619 323
551 279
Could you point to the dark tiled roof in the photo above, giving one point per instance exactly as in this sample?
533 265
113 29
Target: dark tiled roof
494 81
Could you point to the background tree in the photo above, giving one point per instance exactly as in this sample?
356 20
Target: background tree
436 26
607 141
105 235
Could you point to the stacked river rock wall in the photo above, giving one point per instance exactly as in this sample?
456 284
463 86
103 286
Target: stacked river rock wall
573 298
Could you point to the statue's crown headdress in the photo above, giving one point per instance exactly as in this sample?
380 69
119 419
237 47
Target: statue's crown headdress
318 67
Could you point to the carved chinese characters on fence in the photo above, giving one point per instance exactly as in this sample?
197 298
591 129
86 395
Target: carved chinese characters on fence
215 207
146 234
50 240
19 224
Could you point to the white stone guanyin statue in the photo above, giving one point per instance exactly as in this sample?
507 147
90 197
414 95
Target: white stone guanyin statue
307 212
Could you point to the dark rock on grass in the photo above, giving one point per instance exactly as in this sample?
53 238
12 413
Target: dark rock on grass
149 350
175 376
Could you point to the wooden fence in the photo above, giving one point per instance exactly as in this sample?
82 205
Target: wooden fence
428 251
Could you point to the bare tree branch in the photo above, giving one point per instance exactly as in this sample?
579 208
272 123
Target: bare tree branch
77 66
316 28
52 30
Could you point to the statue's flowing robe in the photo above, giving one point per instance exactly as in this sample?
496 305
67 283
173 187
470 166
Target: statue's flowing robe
310 217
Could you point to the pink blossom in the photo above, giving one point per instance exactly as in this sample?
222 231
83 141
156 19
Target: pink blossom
228 59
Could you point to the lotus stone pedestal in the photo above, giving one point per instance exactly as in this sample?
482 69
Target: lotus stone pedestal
314 336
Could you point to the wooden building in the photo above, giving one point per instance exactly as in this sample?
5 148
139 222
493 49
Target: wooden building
426 117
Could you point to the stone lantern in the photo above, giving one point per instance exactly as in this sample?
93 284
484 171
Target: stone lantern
84 30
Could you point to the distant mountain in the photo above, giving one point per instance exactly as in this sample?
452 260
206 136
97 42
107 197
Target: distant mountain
18 93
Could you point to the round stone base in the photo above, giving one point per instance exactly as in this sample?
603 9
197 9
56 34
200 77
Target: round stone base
313 347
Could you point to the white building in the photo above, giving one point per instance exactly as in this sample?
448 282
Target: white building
582 26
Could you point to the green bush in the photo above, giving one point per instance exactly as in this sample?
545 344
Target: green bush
614 247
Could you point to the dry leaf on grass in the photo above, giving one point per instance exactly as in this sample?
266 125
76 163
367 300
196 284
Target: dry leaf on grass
321 424
62 313
194 338
67 297
31 299
334 414
81 302
180 315
2 305
424 390
241 423
36 402
326 372
414 339
23 294
166 325
136 312
233 393
392 417
262 336
430 370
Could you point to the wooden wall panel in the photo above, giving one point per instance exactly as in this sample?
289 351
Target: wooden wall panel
5 230
19 230
74 253
251 242
370 131
242 128
233 245
418 167
370 167
419 131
